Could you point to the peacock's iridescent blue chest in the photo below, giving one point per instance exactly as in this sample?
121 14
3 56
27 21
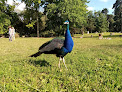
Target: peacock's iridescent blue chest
68 43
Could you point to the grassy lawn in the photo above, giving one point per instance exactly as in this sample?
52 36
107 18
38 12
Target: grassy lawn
93 65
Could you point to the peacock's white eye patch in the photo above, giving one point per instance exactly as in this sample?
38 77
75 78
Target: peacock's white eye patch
66 22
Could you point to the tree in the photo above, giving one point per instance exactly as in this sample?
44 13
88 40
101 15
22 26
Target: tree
29 19
105 11
110 19
9 17
73 10
101 22
4 23
91 22
55 20
34 5
4 18
118 15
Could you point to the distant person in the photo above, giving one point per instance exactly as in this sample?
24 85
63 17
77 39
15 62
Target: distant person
13 33
10 33
100 36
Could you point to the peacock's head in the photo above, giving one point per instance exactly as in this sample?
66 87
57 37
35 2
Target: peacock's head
66 22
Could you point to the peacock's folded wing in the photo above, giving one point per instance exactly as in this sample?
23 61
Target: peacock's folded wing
56 43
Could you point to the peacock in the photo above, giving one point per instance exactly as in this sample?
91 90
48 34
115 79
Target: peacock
58 46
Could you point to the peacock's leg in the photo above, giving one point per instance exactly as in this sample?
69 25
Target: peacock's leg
59 62
64 63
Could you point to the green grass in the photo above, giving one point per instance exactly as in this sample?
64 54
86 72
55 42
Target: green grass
93 65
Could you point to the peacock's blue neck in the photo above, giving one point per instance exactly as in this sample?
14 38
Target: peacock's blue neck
68 43
67 26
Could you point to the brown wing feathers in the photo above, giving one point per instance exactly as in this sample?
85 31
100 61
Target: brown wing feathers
50 46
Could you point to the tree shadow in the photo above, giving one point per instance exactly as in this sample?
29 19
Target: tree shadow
112 36
39 63
97 36
104 36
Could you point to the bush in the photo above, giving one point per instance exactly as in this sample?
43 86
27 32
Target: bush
47 33
33 35
1 35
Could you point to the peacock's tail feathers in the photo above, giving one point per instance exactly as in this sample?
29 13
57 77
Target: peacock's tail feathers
36 54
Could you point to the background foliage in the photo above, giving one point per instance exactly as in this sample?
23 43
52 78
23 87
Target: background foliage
33 22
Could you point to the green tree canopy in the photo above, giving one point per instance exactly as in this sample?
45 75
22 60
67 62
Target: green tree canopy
105 11
4 18
34 6
118 15
91 22
110 19
73 10
101 22
4 23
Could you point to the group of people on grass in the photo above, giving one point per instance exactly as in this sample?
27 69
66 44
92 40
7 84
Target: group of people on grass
11 33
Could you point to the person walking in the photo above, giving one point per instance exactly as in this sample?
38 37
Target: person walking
13 33
10 33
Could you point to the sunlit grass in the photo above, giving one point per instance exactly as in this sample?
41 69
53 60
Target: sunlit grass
93 65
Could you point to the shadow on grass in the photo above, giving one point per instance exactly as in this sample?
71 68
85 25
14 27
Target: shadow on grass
39 63
111 36
104 36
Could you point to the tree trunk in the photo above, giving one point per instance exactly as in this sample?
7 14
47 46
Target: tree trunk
82 31
91 30
121 21
37 26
